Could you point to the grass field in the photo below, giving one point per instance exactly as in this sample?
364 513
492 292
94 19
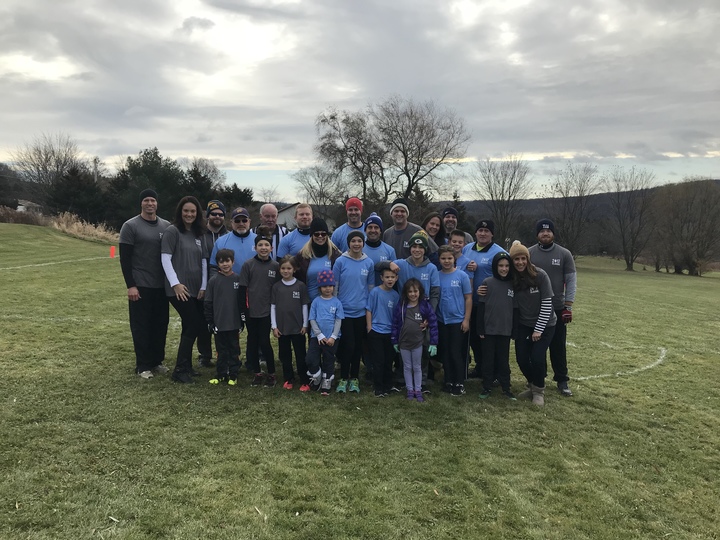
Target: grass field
88 450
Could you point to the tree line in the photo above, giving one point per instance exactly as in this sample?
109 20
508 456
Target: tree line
404 148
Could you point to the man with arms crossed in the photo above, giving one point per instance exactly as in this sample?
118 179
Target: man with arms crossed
293 241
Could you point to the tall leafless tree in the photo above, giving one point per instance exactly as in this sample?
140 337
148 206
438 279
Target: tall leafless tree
571 207
323 188
393 148
631 199
502 185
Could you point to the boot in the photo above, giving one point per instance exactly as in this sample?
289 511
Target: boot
538 395
527 393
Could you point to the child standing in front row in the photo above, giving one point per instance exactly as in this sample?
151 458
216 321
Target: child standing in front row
454 312
326 315
410 317
495 324
223 317
378 320
289 301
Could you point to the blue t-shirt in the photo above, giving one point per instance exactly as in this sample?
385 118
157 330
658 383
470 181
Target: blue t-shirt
292 243
384 252
339 236
453 288
484 263
353 279
461 264
381 304
427 274
314 268
324 311
242 246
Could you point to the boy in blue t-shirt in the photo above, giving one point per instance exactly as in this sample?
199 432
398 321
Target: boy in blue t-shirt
326 315
454 312
378 317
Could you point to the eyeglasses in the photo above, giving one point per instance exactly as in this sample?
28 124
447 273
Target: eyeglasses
241 220
217 214
319 234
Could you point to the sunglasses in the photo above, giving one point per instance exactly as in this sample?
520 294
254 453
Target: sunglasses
217 214
319 234
241 220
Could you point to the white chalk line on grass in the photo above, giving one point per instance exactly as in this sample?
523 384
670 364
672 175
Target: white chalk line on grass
51 263
660 360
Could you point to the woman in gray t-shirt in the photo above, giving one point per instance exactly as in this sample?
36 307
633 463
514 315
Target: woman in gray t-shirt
184 254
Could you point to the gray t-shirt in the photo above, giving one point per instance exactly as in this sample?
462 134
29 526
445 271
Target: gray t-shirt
146 238
289 301
221 301
400 240
259 277
411 335
187 253
558 263
528 300
498 302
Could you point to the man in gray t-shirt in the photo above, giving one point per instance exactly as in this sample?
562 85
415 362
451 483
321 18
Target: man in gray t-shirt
140 239
559 265
398 236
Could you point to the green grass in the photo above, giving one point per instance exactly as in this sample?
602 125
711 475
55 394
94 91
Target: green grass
88 450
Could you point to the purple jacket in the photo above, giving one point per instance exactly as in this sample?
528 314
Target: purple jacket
428 314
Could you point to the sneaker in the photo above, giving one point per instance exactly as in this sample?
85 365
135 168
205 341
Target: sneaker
411 395
342 386
315 378
419 397
270 381
204 361
304 387
161 369
485 393
257 379
231 382
183 378
458 390
214 381
380 393
354 386
564 389
288 385
508 394
325 387
424 389
147 374
314 387
394 389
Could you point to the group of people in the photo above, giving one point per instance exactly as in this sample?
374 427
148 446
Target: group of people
409 301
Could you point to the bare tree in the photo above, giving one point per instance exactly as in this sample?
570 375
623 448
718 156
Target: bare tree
393 148
688 230
322 187
47 159
268 194
502 185
631 197
571 208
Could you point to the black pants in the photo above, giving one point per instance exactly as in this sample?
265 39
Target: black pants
454 364
286 344
204 341
383 354
558 350
353 335
321 357
149 317
496 361
531 354
228 347
193 320
258 338
475 341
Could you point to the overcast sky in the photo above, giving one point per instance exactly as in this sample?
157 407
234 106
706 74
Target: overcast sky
634 82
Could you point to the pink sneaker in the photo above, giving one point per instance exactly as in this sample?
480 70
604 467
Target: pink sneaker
304 388
288 385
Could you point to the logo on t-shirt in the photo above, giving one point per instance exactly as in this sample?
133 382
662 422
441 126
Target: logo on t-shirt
198 243
511 293
271 273
333 309
160 234
364 272
328 264
534 290
236 285
391 304
555 262
454 282
424 276
485 260
296 294
406 244
418 316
